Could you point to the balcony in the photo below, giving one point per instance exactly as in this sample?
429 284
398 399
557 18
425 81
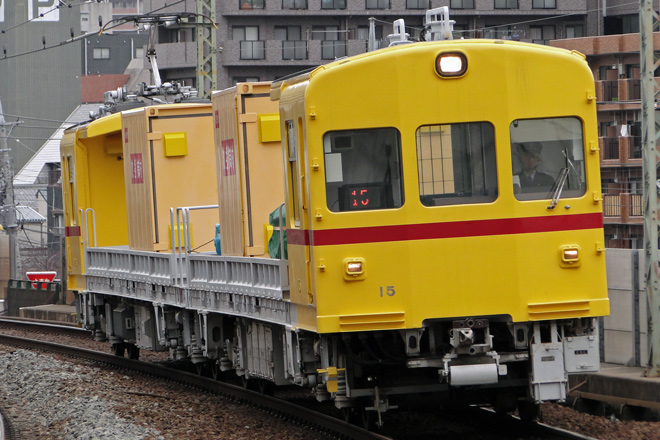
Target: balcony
623 208
619 91
620 150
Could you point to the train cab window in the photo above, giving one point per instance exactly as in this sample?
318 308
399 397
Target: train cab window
456 164
547 154
363 169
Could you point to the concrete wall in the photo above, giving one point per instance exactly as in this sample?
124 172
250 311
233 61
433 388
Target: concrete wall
625 330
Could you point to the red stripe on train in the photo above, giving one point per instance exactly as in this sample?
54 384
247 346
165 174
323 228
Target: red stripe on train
430 231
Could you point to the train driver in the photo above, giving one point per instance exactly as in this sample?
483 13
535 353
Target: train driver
532 180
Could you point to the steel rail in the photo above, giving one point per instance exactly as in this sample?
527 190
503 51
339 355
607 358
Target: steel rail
295 412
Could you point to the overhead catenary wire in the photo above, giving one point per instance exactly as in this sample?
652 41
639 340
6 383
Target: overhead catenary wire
70 40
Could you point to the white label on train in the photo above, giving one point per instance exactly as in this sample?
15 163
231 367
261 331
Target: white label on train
43 10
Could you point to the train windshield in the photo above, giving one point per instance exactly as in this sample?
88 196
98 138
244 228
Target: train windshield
456 164
542 150
363 169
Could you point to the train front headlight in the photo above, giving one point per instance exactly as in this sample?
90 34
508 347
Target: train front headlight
451 64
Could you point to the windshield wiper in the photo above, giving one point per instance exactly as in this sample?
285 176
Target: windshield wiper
561 181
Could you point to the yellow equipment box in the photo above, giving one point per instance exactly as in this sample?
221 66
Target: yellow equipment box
249 158
168 152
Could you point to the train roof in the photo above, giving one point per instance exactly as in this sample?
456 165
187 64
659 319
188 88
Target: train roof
277 86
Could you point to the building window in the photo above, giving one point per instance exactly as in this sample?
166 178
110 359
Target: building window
331 46
242 79
251 47
630 24
574 31
333 4
363 34
542 34
251 4
418 4
293 46
139 53
462 4
506 4
101 53
377 4
294 4
456 164
544 4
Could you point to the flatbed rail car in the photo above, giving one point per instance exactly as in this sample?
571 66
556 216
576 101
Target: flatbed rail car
424 256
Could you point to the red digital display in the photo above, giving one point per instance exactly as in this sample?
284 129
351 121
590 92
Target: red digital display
368 197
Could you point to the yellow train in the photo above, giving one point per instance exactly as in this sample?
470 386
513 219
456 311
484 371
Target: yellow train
442 212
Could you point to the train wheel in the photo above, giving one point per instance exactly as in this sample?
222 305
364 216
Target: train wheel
350 415
265 387
200 368
529 411
118 349
245 382
133 351
367 419
215 371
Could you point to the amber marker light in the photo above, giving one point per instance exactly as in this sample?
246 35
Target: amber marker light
354 269
570 255
451 64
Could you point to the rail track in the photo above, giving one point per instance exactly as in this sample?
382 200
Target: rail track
500 426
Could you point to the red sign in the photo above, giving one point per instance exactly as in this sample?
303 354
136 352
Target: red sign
125 135
217 119
44 277
229 160
137 169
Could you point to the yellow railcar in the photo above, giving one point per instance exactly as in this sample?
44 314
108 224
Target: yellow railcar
443 223
410 217
93 190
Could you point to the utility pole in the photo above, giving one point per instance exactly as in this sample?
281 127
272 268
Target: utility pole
648 21
7 207
207 43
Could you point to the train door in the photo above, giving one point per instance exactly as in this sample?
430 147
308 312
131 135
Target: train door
298 233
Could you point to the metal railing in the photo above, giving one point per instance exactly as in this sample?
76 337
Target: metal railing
181 237
614 205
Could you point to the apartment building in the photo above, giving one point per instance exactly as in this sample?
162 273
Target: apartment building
615 63
268 39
